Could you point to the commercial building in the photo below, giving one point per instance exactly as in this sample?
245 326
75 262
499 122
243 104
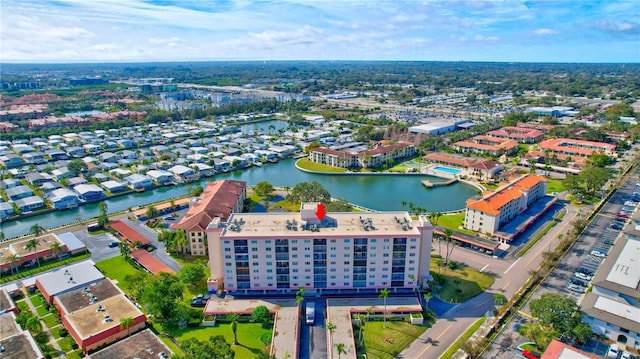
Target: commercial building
218 200
365 158
66 279
576 148
17 255
520 134
142 345
486 144
555 111
477 166
334 252
439 127
493 209
15 342
611 308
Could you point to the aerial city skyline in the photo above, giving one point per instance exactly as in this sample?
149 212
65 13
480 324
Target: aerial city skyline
132 31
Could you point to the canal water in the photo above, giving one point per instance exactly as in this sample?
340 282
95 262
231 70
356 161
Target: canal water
378 192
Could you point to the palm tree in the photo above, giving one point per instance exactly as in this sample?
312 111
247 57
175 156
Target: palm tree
12 259
447 238
180 240
233 318
33 324
300 295
360 317
33 243
56 248
499 299
426 297
36 230
126 323
340 349
384 293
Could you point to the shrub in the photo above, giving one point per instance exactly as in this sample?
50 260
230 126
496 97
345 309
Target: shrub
438 278
64 332
452 265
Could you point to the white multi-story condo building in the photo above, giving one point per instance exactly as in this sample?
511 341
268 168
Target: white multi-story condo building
281 252
488 213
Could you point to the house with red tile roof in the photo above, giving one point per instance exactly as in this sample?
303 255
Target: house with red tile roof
563 147
486 144
488 213
368 158
219 199
520 134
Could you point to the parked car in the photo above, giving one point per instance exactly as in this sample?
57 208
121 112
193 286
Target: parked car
198 302
530 355
583 276
113 244
613 351
626 355
623 215
579 282
616 225
630 203
576 288
598 253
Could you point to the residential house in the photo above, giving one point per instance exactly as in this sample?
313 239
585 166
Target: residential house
38 178
18 192
11 160
89 192
63 198
59 174
138 182
161 177
113 186
6 210
29 204
34 158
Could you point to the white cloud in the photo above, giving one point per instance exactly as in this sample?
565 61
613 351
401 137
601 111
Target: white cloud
544 31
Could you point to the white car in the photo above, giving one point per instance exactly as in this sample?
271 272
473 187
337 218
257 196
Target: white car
582 276
576 288
626 355
613 352
598 253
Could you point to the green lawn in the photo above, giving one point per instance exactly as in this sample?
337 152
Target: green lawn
65 344
116 268
453 221
36 299
42 311
50 320
305 163
399 335
555 185
55 332
248 336
75 355
462 283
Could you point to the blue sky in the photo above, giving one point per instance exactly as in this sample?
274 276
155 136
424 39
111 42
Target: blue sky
434 30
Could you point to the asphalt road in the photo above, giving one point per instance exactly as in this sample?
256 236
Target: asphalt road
504 345
511 274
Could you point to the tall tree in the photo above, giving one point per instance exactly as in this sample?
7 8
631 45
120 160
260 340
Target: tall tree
263 189
36 230
125 250
126 323
12 259
233 318
103 218
163 297
56 248
340 348
427 296
192 274
384 293
33 324
33 243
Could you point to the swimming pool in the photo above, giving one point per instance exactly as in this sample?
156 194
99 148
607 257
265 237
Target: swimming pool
447 169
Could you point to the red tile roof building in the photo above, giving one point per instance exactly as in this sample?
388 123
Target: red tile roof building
560 350
369 158
128 233
476 166
494 209
486 144
149 262
576 148
219 199
520 134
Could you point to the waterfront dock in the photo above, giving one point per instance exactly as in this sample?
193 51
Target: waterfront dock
430 184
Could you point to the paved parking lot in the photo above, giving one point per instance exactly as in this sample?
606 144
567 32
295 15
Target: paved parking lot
98 244
597 236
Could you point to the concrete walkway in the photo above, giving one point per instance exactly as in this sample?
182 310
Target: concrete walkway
45 328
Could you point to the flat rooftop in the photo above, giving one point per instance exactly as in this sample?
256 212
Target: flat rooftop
303 224
142 345
69 277
89 321
5 301
626 269
81 298
20 346
8 326
286 324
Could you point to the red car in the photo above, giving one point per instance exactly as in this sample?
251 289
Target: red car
530 355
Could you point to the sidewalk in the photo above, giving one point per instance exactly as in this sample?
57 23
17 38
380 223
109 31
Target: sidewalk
45 329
